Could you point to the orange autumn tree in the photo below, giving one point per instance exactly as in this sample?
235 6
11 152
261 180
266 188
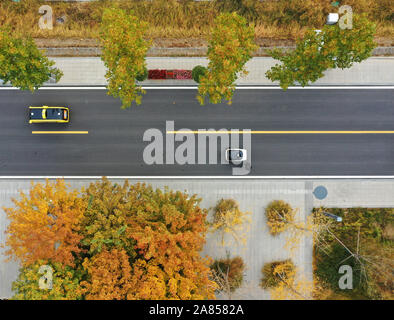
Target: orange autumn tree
109 275
44 224
169 229
162 232
120 241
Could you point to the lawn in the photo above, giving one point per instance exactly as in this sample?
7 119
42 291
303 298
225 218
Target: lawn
366 243
275 20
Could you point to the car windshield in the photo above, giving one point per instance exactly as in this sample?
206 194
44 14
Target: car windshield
35 114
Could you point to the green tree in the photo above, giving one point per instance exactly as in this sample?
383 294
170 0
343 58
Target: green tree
124 51
65 283
22 64
316 53
231 45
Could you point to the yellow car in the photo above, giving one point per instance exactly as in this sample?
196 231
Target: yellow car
47 114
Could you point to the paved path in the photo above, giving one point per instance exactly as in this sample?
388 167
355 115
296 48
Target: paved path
91 71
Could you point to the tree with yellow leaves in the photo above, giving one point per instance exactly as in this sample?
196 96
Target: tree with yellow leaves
231 45
45 224
169 229
104 221
229 219
162 233
123 242
279 277
279 215
124 50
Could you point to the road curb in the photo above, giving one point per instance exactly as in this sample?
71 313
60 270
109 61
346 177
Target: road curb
194 87
273 178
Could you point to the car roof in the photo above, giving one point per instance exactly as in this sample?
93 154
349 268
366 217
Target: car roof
53 113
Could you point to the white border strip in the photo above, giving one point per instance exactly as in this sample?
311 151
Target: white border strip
237 87
199 177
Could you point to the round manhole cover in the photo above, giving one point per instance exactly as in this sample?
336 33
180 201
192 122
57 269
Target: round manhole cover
320 192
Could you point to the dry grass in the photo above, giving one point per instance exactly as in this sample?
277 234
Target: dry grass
282 19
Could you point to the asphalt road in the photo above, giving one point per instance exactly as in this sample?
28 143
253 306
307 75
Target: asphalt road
114 145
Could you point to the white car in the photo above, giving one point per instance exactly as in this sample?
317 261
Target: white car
332 18
236 156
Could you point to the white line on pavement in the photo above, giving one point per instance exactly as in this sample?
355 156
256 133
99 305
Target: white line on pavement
238 87
200 177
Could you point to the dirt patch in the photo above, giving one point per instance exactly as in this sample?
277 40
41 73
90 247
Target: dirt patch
178 43
269 42
385 42
160 42
72 42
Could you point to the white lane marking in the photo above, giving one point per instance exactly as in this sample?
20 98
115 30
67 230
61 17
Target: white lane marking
238 88
200 177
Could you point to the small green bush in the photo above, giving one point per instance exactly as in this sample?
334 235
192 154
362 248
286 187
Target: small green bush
197 72
143 76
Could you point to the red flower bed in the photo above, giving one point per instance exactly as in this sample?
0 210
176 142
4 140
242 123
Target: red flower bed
157 74
183 74
169 74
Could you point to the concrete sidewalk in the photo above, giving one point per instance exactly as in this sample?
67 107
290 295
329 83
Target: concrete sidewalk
91 71
253 195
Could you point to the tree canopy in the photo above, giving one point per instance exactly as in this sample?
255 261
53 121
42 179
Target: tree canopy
123 52
22 64
110 241
332 48
45 224
230 46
